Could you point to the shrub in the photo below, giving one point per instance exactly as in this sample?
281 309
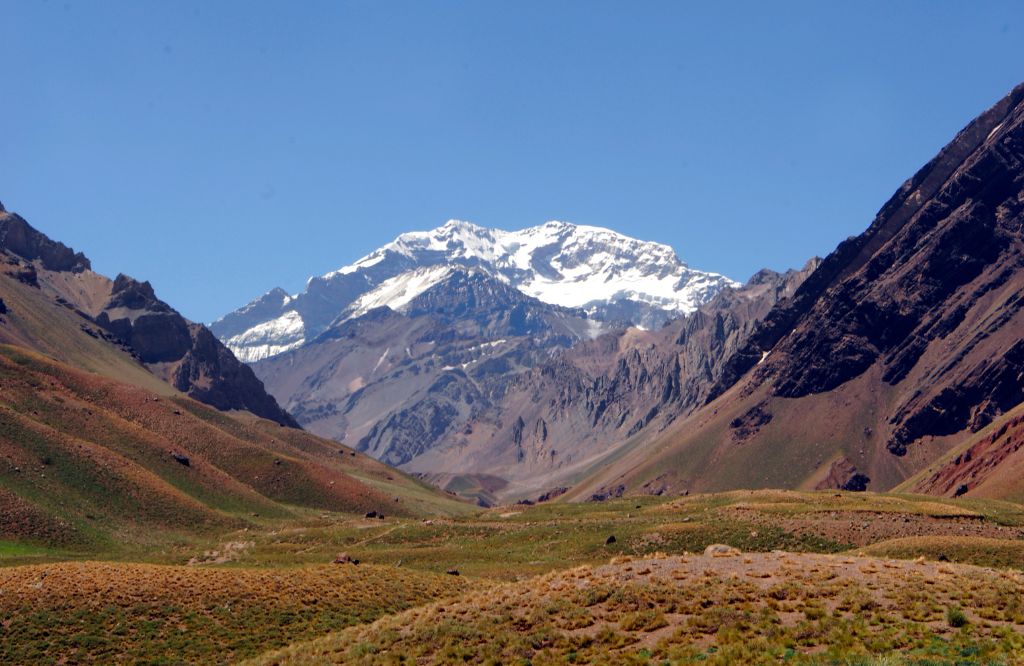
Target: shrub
955 617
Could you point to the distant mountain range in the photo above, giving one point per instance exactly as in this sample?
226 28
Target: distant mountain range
606 275
410 353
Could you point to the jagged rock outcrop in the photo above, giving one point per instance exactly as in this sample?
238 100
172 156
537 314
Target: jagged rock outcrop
18 237
185 354
844 475
152 328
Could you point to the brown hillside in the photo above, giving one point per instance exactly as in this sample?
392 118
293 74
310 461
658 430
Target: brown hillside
990 464
84 458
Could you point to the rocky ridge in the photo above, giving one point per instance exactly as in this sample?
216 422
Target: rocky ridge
932 293
129 315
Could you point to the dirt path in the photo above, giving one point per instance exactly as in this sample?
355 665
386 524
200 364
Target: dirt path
378 536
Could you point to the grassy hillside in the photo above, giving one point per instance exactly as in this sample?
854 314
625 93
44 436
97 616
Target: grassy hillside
92 465
570 596
763 608
515 543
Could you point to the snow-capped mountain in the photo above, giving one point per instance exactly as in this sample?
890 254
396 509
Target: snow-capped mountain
610 276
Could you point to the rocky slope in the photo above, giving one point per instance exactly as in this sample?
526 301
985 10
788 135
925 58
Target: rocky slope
608 275
988 464
556 419
399 383
494 394
932 289
127 314
902 340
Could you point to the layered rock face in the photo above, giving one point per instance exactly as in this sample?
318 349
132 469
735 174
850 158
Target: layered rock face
991 464
19 238
184 354
902 343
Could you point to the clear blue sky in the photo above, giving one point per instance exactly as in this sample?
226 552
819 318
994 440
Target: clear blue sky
220 149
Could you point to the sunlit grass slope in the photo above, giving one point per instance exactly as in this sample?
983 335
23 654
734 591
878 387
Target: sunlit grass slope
93 613
95 465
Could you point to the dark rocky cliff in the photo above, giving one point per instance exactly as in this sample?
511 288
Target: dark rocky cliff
18 237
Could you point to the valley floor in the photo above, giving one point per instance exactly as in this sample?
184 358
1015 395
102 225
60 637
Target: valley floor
844 578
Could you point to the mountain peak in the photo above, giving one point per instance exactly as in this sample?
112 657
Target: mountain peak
611 276
277 294
127 292
450 235
460 225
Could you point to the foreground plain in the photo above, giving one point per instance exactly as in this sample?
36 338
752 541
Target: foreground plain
820 578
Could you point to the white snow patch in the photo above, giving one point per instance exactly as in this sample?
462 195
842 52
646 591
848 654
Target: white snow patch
269 338
398 291
380 360
579 264
594 329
